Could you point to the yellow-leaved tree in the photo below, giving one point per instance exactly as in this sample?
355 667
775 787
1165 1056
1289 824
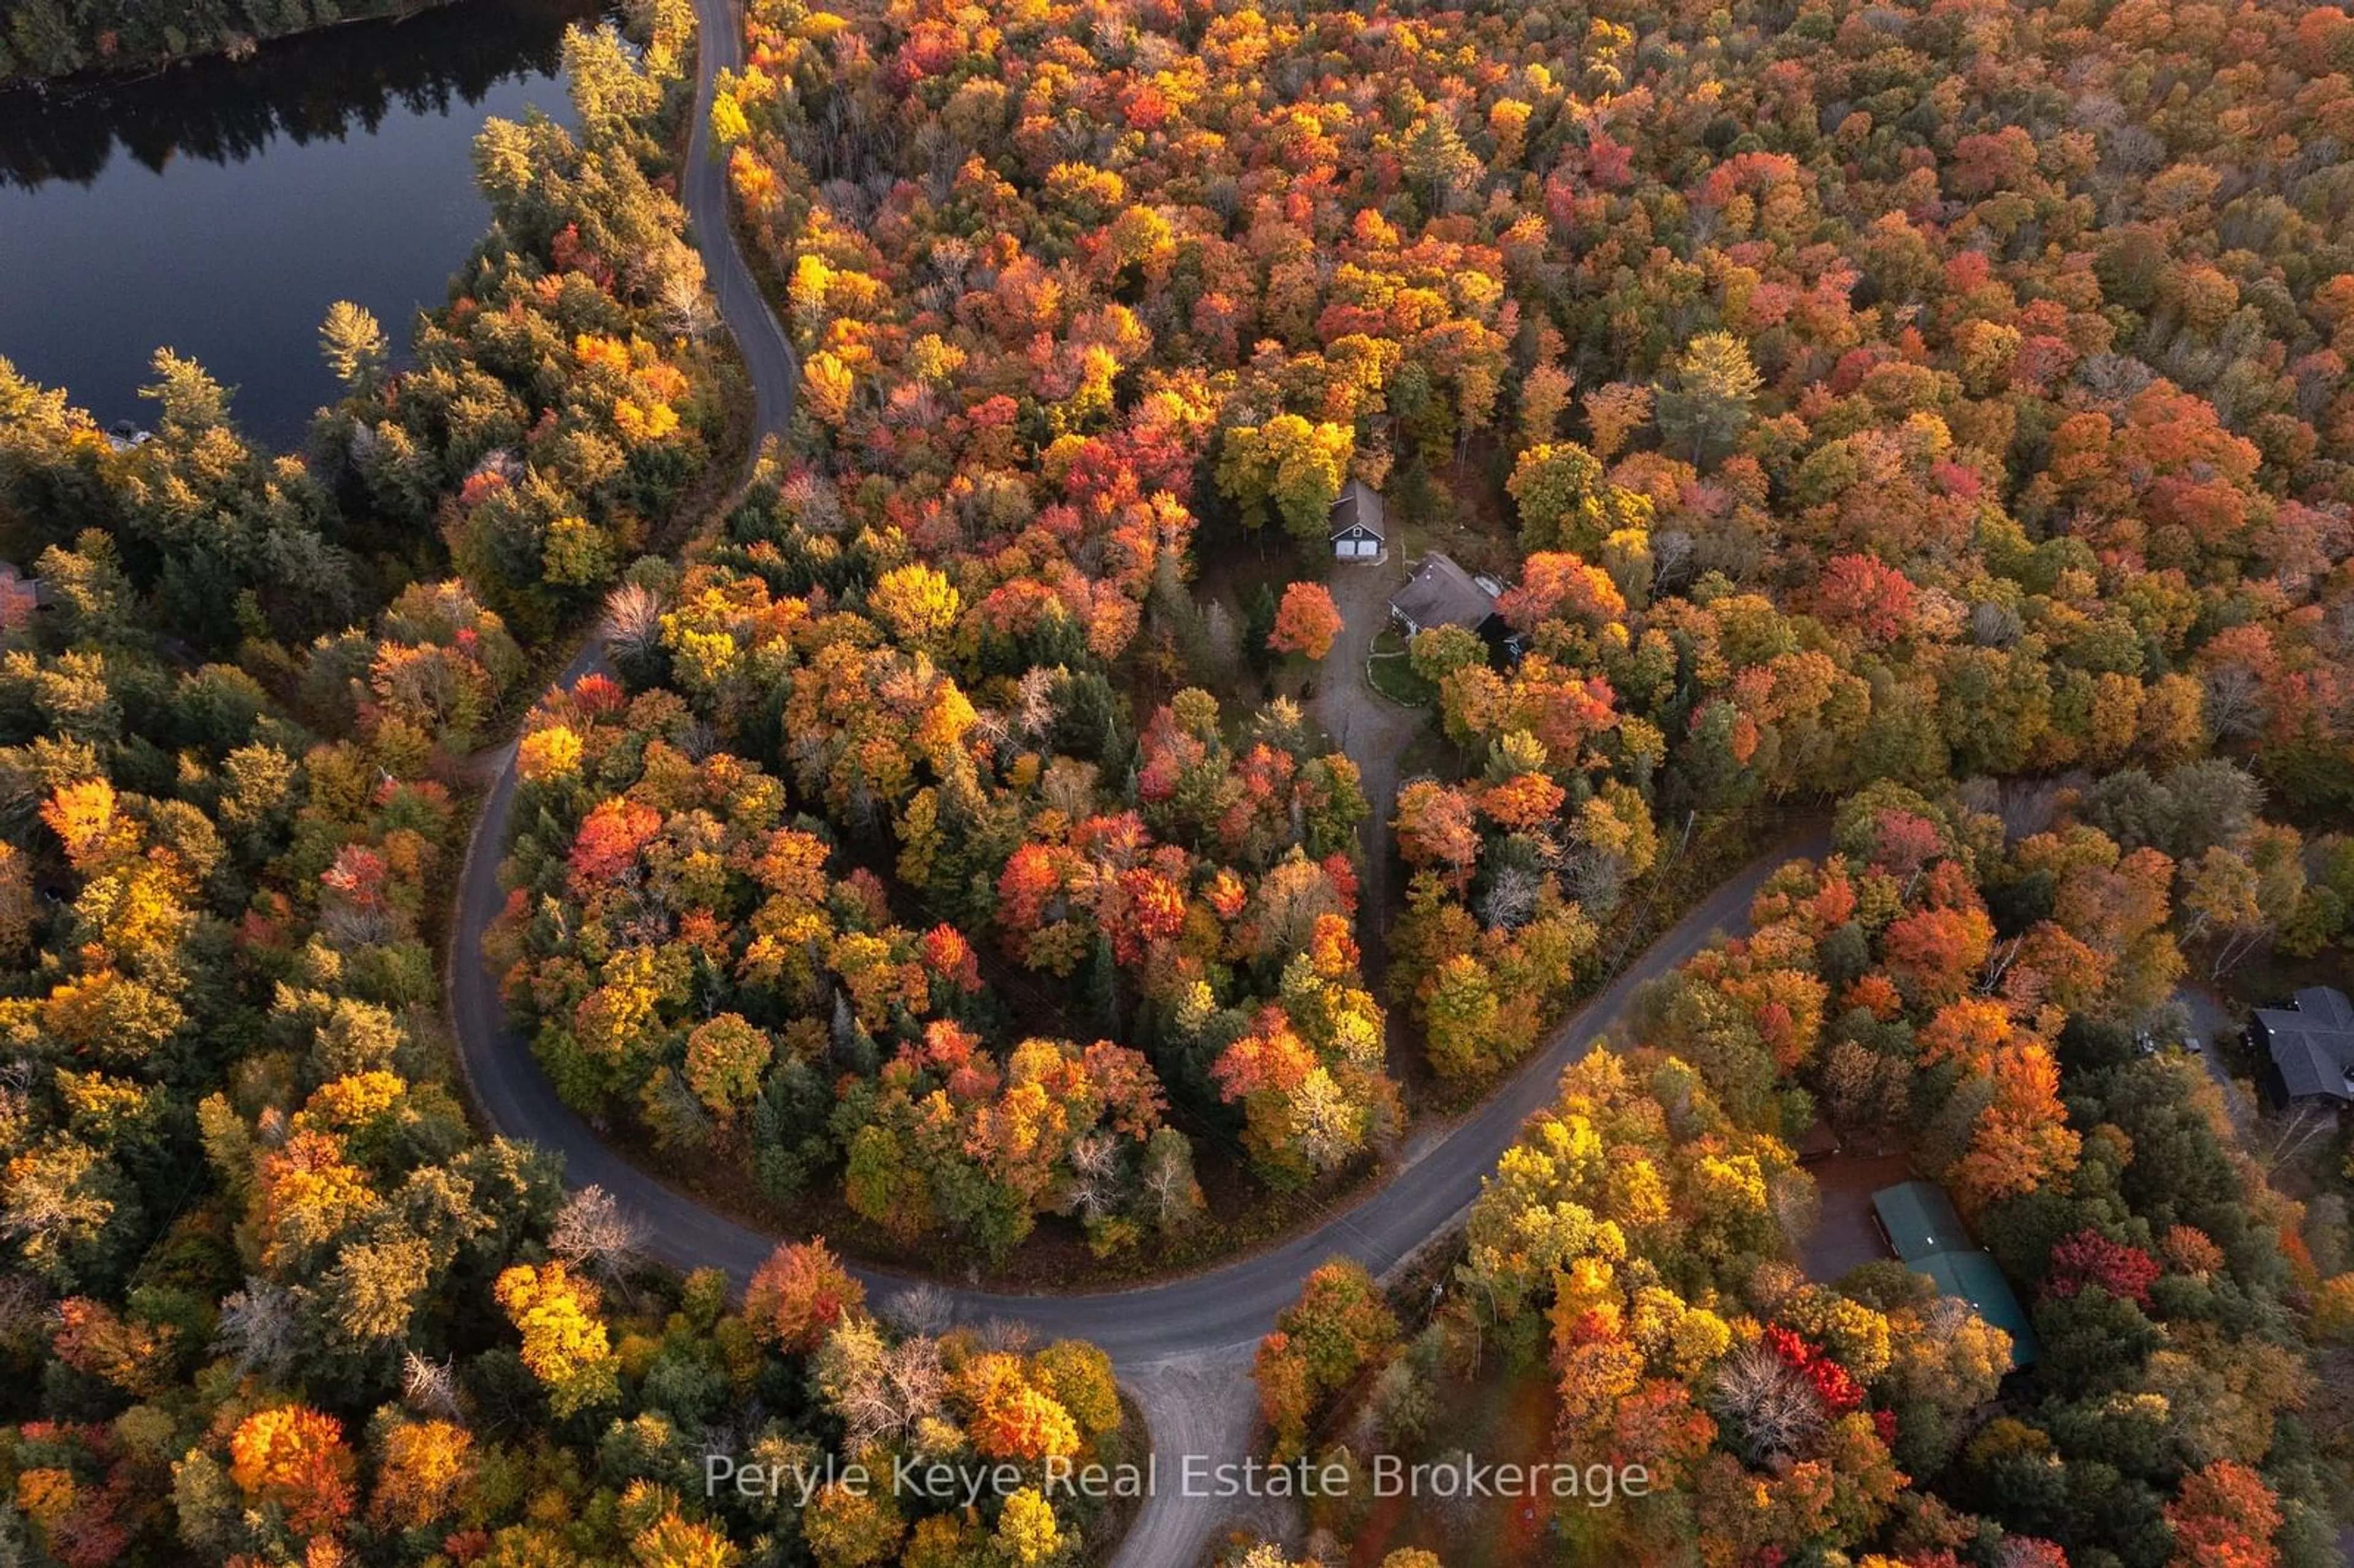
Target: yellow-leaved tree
564 1340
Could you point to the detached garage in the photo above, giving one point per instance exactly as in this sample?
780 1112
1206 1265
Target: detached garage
1358 532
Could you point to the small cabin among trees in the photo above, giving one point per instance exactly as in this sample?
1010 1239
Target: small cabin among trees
1360 528
2307 1048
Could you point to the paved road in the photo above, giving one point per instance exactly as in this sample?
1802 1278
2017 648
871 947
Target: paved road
1181 1346
768 358
1438 1176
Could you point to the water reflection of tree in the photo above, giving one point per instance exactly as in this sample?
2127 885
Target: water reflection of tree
322 85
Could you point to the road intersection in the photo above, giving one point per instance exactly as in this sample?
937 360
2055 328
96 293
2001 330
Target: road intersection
1181 1346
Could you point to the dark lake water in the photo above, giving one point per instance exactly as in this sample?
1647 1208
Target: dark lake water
219 208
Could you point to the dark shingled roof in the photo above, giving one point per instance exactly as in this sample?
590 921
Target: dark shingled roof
2311 1043
1359 506
1441 593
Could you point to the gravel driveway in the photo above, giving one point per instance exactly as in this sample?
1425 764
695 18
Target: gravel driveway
1372 730
2210 1021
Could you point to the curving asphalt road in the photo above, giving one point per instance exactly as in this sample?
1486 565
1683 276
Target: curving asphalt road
769 358
1182 1346
1438 1175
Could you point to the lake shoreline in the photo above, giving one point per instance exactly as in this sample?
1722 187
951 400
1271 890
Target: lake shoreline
219 209
113 72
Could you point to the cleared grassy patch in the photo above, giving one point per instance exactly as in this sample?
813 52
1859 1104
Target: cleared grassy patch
1393 676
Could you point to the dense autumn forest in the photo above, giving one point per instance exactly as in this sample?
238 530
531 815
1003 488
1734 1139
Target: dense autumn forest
1922 430
1636 1250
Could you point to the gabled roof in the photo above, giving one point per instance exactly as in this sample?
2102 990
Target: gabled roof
1919 1219
2312 1043
1927 1233
1359 506
1441 593
1975 1277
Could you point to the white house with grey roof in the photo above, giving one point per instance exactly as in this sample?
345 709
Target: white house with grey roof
1360 526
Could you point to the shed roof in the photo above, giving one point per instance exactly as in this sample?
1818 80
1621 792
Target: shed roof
1359 506
1919 1219
2312 1043
1975 1277
1820 1140
1441 593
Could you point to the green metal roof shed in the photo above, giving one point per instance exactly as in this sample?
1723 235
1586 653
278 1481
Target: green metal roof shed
1918 1220
1975 1277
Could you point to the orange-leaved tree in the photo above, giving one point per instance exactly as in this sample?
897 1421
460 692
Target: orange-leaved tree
1307 622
